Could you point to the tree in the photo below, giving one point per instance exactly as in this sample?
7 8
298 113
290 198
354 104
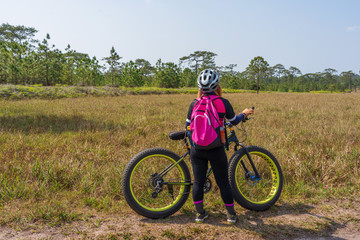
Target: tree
188 78
68 66
48 62
44 59
330 79
357 82
114 65
229 77
9 33
167 74
330 71
95 71
294 71
348 79
144 66
257 69
131 76
279 70
82 70
17 35
145 70
329 75
4 56
331 87
21 62
200 59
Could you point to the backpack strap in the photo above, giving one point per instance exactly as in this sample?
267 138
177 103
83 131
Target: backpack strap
197 101
219 106
195 104
218 103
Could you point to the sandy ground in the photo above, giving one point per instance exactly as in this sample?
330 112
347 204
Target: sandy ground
300 222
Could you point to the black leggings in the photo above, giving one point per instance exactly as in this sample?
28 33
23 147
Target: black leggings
219 165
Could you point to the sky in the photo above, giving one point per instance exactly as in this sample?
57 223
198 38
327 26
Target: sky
311 35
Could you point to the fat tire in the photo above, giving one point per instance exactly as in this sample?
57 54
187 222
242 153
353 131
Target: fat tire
126 184
239 198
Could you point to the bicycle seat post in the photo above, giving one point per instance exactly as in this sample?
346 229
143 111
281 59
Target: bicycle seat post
187 144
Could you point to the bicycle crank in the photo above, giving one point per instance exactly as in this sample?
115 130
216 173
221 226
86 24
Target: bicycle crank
207 185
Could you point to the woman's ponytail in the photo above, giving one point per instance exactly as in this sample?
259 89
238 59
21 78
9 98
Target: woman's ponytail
218 92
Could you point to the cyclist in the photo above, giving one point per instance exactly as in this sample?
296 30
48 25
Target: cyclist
208 83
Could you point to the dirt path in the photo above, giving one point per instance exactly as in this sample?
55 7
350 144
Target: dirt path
285 221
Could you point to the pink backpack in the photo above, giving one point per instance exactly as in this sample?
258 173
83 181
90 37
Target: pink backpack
206 126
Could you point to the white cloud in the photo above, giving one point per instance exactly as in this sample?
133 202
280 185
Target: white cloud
353 28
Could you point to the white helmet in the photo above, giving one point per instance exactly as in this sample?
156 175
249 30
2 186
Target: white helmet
208 80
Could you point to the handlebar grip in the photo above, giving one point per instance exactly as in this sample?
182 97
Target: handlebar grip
247 118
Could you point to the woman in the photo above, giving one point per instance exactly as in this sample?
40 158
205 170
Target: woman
208 83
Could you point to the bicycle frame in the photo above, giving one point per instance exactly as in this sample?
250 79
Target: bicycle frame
232 138
171 166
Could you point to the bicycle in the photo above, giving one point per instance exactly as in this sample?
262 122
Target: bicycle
156 182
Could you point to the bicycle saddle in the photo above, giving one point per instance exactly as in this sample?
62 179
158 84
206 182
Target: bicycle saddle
179 135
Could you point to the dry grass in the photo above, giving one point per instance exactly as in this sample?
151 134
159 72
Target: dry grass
61 159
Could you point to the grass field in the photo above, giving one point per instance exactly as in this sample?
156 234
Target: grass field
61 161
19 92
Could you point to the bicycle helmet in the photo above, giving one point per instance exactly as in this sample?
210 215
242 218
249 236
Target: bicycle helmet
208 80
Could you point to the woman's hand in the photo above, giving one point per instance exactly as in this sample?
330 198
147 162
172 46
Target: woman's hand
248 111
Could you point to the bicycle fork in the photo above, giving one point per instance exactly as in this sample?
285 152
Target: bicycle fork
247 172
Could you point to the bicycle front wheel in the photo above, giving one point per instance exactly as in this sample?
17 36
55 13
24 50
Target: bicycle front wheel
153 186
257 193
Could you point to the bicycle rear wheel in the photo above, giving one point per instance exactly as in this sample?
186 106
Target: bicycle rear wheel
257 194
148 192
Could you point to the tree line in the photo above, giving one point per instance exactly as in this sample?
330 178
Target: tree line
28 61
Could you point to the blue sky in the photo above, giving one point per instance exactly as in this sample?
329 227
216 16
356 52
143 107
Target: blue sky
310 35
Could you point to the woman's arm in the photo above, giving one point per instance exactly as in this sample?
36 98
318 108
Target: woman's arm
230 114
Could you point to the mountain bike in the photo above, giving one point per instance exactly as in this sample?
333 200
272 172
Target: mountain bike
156 182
